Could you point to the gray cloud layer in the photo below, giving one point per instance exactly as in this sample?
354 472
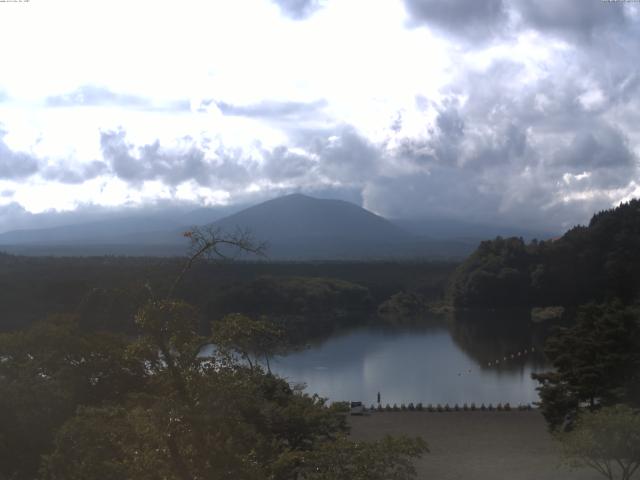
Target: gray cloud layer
15 165
476 22
580 19
171 166
64 174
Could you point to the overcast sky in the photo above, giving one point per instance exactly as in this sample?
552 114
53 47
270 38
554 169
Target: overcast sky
505 111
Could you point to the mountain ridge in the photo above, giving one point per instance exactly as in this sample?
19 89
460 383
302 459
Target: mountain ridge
295 227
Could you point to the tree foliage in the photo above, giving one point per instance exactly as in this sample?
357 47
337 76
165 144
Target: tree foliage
596 362
597 262
386 459
79 404
607 440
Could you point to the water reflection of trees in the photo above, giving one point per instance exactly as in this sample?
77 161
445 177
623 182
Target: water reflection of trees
490 335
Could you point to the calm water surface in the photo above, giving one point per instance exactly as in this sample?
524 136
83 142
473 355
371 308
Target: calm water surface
435 364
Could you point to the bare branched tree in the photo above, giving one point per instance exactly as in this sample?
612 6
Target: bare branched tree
213 242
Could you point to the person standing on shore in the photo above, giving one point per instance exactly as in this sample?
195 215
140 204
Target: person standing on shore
378 398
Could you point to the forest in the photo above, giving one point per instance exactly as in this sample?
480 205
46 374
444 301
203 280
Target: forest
597 262
593 273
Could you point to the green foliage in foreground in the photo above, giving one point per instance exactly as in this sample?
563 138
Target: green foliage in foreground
82 405
607 441
596 363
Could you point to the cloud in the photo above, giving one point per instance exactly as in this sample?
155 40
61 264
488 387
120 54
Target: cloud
545 149
298 9
15 165
469 19
171 166
478 22
98 96
577 19
65 174
274 109
344 154
283 164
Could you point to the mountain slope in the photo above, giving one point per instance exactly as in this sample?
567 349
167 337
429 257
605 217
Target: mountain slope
154 228
295 227
301 227
296 216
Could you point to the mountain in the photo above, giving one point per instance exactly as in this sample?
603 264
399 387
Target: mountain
300 216
300 227
151 228
295 227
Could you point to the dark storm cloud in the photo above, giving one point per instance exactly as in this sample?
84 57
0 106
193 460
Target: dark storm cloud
298 9
470 19
603 156
171 166
345 155
15 165
282 164
601 149
476 22
92 95
580 19
273 109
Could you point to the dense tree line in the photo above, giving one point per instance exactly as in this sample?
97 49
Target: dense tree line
107 290
594 263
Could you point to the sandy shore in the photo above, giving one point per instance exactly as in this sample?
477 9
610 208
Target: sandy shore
476 445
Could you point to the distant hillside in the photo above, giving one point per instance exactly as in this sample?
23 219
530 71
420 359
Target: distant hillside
447 229
295 227
592 263
156 233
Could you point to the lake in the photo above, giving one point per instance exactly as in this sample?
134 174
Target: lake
443 362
